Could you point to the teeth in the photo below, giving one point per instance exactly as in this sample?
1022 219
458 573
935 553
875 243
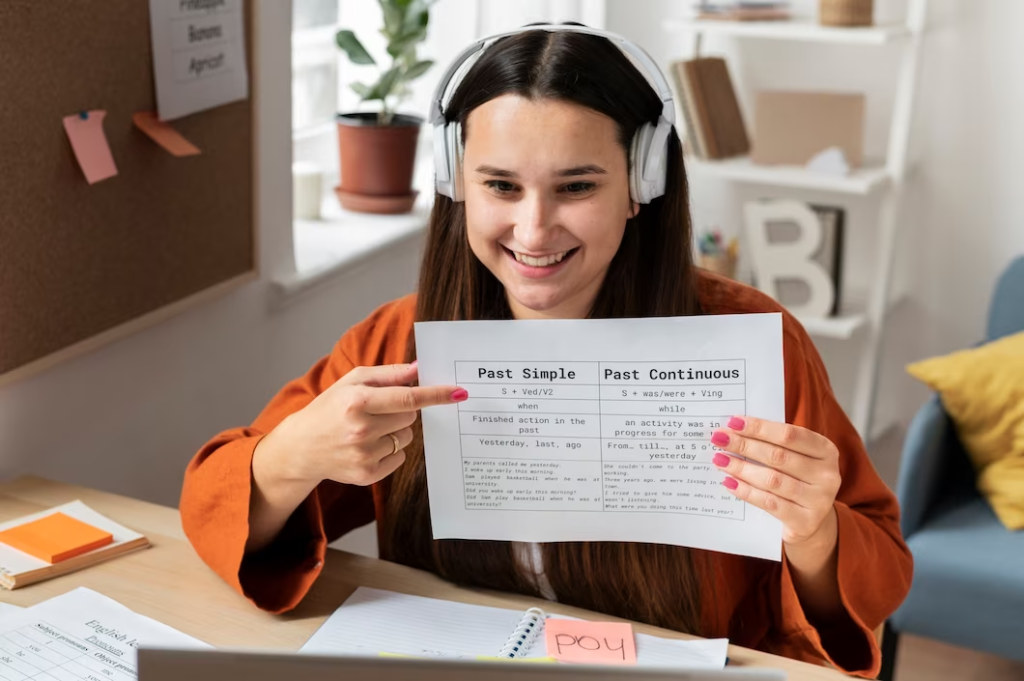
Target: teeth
544 261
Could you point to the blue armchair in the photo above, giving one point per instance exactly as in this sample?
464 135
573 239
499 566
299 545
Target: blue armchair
968 586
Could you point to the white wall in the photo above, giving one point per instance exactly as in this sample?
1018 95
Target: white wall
963 220
128 417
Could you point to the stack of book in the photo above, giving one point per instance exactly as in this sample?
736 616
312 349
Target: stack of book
711 112
743 10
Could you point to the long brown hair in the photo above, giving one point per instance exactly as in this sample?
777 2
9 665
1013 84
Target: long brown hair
651 275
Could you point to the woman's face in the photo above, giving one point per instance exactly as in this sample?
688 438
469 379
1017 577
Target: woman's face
547 199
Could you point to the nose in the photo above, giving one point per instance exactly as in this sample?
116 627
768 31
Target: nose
534 222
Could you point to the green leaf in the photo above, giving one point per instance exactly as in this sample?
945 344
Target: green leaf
394 18
348 42
406 41
416 16
386 84
417 69
361 89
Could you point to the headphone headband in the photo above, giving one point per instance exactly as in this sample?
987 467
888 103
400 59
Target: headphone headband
668 109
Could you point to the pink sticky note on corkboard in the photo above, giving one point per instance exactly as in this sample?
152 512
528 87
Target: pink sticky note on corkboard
88 141
590 642
163 134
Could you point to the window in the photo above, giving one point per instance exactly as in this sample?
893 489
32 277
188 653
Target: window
321 74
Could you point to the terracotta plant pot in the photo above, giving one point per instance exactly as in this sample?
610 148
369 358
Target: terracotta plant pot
377 162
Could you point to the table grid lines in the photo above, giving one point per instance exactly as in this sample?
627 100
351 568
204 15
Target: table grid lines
638 472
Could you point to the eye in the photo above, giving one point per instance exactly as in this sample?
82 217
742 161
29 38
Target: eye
501 186
578 187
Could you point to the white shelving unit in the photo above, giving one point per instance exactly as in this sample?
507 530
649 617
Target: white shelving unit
884 180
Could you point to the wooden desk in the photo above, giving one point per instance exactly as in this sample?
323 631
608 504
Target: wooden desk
169 582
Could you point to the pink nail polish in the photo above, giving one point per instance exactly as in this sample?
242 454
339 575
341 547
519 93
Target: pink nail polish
731 483
460 395
736 423
719 438
414 364
720 460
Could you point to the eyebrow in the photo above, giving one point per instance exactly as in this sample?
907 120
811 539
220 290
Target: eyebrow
589 169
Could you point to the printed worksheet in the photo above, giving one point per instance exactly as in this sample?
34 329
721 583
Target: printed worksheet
198 55
598 430
80 636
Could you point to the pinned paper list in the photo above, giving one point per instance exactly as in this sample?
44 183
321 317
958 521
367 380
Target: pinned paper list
163 134
590 642
85 131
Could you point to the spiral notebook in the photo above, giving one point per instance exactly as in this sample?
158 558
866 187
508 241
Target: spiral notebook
374 622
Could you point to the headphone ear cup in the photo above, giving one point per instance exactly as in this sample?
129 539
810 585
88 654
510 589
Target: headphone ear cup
442 166
453 151
645 190
639 151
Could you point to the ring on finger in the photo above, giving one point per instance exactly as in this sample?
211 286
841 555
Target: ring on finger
395 442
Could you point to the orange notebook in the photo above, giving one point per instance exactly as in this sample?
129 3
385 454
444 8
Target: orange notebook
55 538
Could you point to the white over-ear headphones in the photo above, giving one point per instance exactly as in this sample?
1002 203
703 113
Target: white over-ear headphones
648 150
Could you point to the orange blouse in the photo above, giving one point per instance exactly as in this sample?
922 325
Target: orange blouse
756 598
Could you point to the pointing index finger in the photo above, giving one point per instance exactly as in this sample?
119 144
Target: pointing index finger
398 399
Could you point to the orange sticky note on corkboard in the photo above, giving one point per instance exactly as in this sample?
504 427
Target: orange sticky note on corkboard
55 538
85 131
590 642
163 134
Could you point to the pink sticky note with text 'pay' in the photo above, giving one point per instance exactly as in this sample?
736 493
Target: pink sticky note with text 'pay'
590 642
88 141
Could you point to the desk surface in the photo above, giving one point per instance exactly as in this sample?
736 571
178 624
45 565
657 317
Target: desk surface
169 582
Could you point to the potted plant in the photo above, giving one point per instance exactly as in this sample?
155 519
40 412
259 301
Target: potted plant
378 149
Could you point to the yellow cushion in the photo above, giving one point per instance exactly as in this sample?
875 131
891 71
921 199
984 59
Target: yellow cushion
982 389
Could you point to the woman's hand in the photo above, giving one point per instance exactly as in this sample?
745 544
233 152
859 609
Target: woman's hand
799 478
354 432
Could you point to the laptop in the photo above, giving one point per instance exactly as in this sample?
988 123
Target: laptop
218 665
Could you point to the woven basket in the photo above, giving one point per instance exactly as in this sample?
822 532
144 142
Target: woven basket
846 12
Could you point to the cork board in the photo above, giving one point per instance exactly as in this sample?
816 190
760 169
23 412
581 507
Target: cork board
77 260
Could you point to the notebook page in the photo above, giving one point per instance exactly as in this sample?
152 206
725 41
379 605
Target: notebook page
13 561
372 621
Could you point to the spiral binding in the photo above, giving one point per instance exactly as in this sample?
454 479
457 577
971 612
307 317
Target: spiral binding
521 640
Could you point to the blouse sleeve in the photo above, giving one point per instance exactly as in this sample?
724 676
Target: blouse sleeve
215 501
874 564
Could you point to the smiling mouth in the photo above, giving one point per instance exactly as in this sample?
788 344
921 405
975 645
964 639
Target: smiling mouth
549 260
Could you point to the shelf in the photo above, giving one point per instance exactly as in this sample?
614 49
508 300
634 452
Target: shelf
844 326
841 327
860 182
803 31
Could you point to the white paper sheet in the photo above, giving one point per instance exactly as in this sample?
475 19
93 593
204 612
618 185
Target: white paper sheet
597 430
80 635
6 609
373 621
198 55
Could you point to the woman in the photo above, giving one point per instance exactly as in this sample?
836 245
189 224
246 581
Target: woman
549 228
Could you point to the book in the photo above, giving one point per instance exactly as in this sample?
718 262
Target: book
694 135
20 568
374 622
711 112
724 115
